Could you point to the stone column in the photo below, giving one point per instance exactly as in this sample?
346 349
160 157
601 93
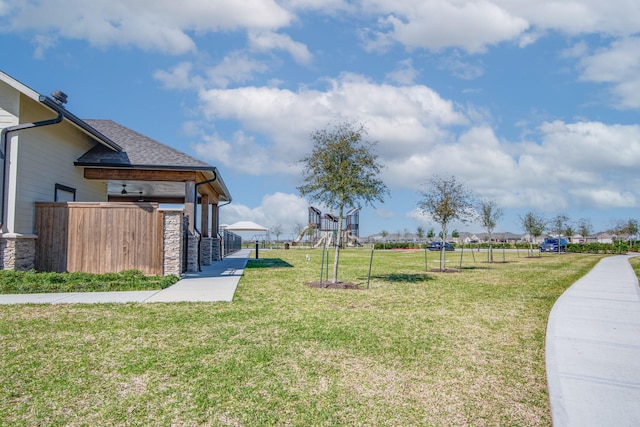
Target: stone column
205 250
215 249
192 252
173 242
17 251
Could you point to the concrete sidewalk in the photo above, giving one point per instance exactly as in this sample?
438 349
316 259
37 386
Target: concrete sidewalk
593 349
217 282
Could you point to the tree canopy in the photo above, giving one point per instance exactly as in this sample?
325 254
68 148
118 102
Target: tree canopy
342 169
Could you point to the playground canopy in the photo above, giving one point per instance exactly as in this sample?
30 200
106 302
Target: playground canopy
246 226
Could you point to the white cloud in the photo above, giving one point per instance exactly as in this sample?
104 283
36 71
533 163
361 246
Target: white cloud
406 119
179 77
461 68
266 41
420 134
476 25
287 210
159 25
241 153
619 66
404 74
577 16
236 67
437 24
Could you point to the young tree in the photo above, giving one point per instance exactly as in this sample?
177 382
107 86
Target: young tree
584 228
384 234
490 213
420 233
277 230
431 233
632 229
342 171
628 227
559 226
534 224
446 200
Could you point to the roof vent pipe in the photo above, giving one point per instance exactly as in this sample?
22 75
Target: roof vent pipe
60 97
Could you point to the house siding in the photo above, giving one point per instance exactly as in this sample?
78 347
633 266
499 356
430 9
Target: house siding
9 105
41 158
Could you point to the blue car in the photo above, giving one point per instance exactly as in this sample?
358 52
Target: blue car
551 245
437 246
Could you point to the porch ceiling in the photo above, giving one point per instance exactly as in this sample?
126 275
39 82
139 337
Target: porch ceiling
147 190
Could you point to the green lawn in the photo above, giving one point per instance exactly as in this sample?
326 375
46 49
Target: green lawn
416 348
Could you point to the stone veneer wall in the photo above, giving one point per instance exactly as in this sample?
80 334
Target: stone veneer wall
215 249
205 250
192 252
17 252
173 243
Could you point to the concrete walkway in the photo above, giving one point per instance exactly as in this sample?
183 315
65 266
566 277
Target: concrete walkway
593 349
217 282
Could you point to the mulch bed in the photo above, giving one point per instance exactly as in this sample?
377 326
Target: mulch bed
329 285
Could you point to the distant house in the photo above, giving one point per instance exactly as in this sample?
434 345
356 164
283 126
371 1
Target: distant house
605 238
65 180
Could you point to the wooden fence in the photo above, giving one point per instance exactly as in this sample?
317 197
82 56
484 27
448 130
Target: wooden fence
99 237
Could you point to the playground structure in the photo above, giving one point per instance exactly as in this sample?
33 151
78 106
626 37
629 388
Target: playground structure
323 229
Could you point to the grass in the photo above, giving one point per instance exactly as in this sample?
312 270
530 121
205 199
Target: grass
416 348
31 282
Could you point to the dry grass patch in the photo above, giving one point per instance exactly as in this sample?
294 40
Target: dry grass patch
416 348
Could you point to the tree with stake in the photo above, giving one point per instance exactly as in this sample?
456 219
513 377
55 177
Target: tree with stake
277 230
584 228
420 233
446 200
534 224
559 223
341 171
490 213
384 234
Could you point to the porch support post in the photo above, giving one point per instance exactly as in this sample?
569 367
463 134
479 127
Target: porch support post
204 205
205 240
216 245
190 210
190 203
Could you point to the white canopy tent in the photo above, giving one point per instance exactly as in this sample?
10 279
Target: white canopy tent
246 226
249 230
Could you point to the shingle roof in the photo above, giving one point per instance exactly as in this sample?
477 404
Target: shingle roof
137 151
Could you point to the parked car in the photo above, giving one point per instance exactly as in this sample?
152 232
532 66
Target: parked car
551 245
437 246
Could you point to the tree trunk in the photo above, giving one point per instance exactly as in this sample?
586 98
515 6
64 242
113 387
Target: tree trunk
337 243
443 247
490 248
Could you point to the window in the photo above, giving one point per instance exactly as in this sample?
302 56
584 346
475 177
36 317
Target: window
64 194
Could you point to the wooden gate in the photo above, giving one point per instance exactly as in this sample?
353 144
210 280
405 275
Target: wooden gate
99 237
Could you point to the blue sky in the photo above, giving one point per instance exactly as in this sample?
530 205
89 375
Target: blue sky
532 104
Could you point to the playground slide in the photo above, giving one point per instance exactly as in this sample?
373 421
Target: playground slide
302 233
355 241
328 237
